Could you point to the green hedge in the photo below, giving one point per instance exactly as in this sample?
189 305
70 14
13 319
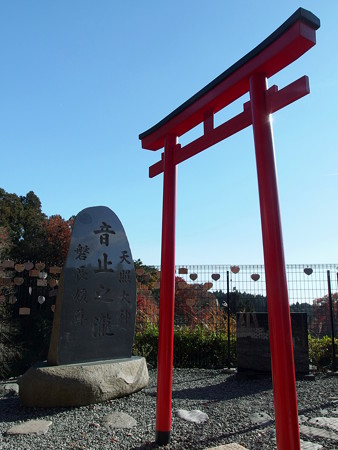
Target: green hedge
320 351
193 347
22 344
198 347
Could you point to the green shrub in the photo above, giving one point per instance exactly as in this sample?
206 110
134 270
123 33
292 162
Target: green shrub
146 343
193 346
320 351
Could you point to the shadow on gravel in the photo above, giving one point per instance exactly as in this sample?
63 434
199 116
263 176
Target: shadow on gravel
312 409
226 390
221 438
11 410
147 446
214 439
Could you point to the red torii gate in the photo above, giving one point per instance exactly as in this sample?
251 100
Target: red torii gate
291 40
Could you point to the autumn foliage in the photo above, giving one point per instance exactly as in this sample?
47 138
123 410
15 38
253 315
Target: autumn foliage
195 305
321 324
57 237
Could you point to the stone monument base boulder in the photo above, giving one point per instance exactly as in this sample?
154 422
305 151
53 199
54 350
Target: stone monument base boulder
82 384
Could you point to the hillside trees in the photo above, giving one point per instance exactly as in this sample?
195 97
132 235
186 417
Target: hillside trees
11 217
242 301
23 219
5 243
27 234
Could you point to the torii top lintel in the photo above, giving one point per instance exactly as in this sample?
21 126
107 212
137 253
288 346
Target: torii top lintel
286 44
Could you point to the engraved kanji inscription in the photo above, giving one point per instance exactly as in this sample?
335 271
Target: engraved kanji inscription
103 266
124 276
124 257
125 298
80 295
102 326
79 317
81 273
124 316
104 231
97 296
82 251
103 294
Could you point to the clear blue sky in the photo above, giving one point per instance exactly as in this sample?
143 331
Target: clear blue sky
80 80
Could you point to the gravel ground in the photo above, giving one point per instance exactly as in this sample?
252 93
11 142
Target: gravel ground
229 402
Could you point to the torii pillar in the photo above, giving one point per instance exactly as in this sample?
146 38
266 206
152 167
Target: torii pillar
290 41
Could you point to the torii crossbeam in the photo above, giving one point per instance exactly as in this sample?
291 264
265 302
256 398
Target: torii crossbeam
290 41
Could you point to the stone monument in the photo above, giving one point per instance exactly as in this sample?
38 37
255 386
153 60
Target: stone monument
90 355
253 344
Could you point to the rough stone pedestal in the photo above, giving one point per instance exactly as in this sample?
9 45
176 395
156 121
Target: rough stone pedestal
82 384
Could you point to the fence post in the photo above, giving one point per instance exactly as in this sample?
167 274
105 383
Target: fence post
332 322
228 318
